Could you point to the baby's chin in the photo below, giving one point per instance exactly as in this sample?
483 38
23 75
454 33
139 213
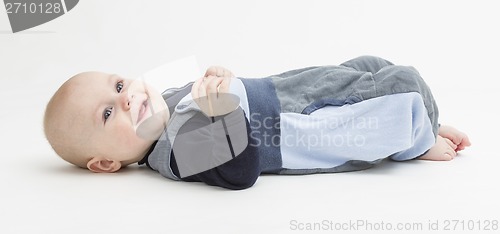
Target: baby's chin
153 126
156 117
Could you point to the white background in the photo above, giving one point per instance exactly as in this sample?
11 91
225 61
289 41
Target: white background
454 45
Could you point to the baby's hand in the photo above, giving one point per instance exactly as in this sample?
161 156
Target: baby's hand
218 71
210 85
211 92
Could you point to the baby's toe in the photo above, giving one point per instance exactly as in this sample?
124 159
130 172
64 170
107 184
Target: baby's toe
447 157
451 144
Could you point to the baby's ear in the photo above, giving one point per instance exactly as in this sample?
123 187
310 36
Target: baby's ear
103 165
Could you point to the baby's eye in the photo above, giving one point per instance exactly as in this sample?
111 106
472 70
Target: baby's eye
119 86
107 113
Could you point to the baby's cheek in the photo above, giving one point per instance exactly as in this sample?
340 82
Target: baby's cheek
124 133
127 137
136 141
130 137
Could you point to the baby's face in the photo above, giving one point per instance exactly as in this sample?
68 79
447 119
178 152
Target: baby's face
121 117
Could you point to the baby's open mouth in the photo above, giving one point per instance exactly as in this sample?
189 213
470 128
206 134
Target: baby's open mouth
142 111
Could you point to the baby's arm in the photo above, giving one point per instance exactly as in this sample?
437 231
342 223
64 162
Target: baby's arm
241 172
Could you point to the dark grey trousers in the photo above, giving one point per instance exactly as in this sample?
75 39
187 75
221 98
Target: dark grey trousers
305 90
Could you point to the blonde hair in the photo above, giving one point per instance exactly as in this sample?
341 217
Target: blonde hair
61 128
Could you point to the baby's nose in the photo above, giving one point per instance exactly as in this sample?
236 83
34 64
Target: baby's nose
125 101
134 100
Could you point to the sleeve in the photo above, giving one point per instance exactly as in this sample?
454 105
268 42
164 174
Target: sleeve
367 63
236 174
216 151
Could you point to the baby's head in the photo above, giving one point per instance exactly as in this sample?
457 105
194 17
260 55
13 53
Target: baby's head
103 122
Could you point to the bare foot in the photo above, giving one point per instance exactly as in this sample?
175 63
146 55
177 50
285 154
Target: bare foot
460 139
443 150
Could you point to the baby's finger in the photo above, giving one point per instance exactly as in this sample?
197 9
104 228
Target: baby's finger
213 85
221 72
202 90
224 85
195 93
209 89
211 71
228 73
